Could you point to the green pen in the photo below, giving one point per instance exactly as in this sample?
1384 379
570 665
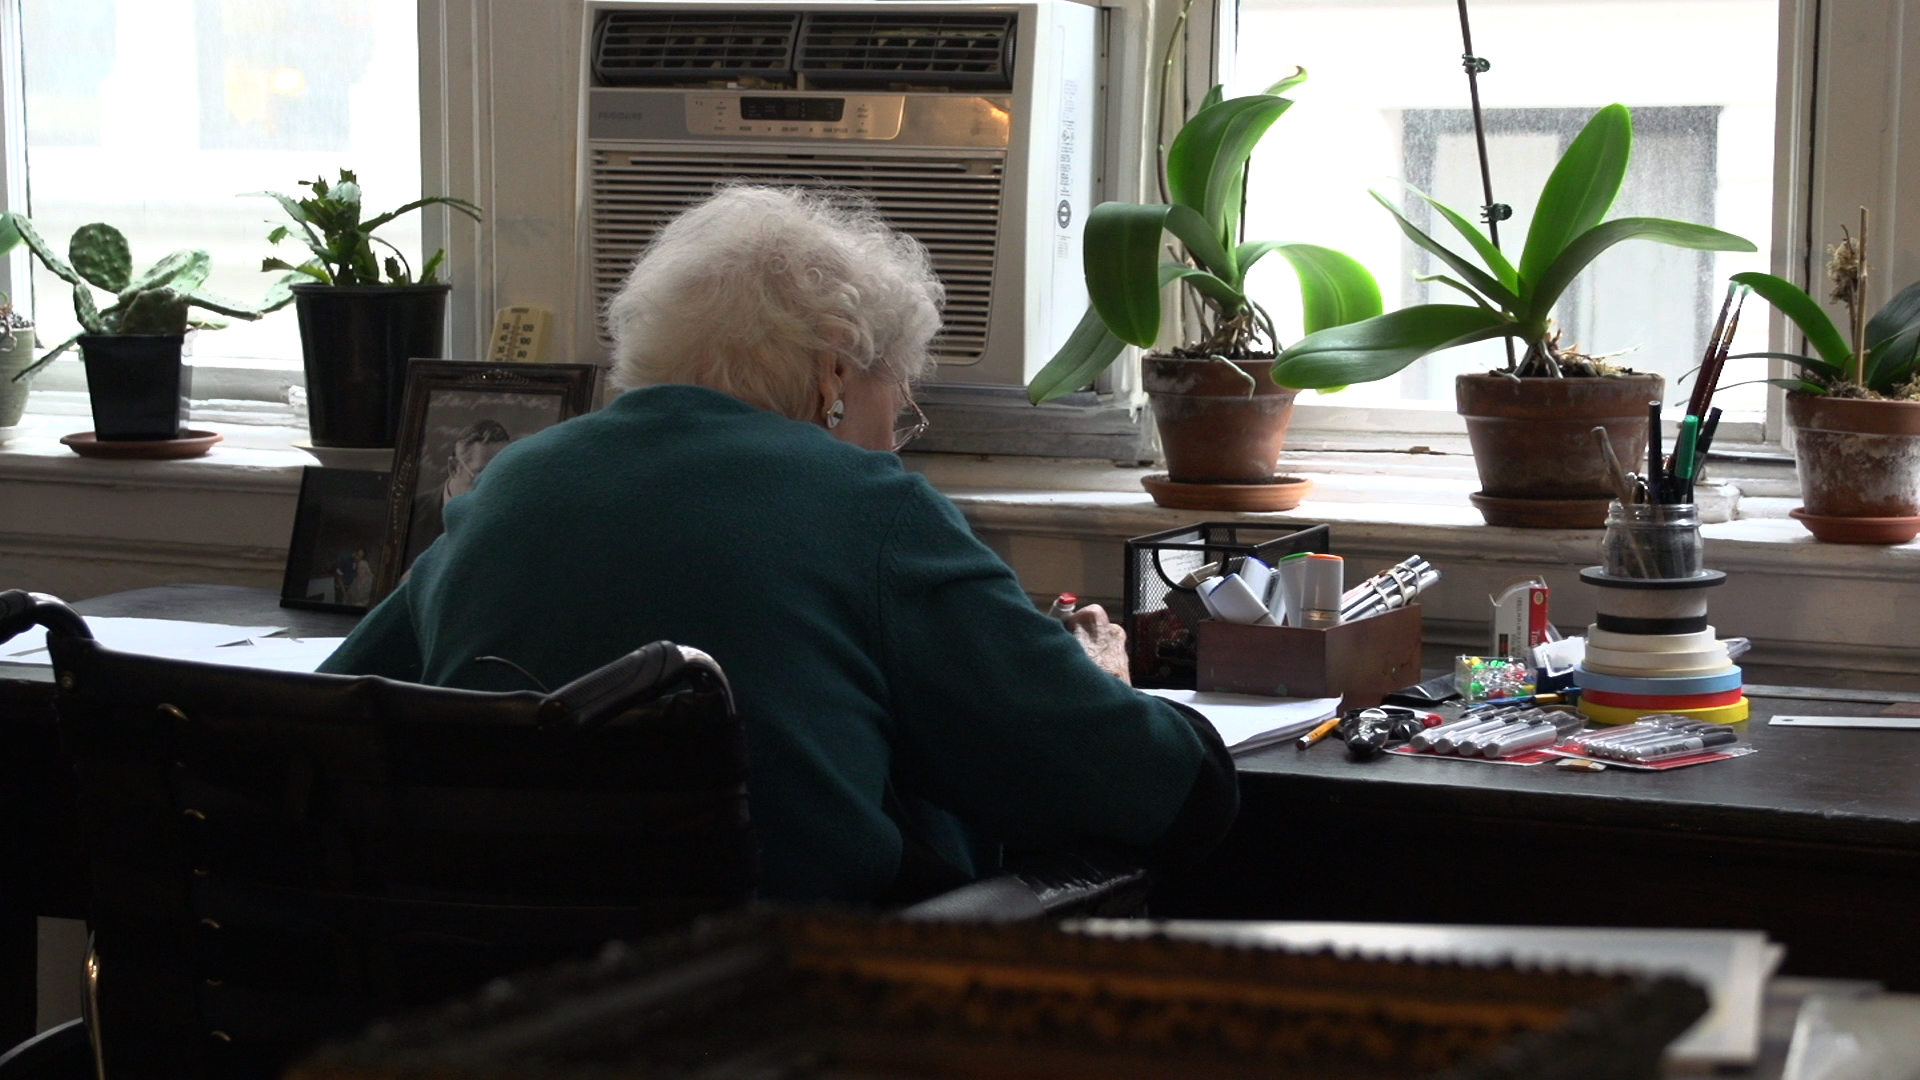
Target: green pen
1683 458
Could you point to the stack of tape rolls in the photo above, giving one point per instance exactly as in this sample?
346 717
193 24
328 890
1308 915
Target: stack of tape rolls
1651 650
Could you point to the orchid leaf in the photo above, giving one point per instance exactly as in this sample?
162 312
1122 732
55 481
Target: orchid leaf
1207 156
1488 286
1381 346
1289 82
1121 249
1457 284
1087 352
1801 309
1579 192
1496 262
1588 245
1819 367
1893 340
1334 288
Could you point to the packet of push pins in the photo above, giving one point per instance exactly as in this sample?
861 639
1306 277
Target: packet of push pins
1480 678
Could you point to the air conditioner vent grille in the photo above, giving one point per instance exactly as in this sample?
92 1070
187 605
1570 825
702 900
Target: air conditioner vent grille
638 48
846 49
950 205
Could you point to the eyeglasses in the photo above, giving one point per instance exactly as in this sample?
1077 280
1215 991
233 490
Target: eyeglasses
910 425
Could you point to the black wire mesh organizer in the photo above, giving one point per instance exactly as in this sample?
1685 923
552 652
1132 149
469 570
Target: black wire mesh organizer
1161 612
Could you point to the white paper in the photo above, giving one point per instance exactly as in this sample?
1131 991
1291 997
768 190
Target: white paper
1900 723
1246 722
1733 965
153 637
271 653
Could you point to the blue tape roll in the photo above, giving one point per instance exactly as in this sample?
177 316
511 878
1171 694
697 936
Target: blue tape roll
1667 686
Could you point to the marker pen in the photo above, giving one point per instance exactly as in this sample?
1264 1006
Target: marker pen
1475 745
1320 602
1289 587
1677 747
1424 740
1545 735
1450 742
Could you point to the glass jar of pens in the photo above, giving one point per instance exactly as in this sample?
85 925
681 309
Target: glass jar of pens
1653 526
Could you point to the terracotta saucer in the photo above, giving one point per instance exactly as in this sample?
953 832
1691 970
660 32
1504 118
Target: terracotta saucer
1857 530
192 444
1542 513
1284 493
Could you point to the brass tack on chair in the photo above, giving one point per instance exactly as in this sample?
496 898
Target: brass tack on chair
67 681
194 814
174 712
221 1035
209 924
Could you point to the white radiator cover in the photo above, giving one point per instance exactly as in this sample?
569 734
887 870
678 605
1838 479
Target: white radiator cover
995 182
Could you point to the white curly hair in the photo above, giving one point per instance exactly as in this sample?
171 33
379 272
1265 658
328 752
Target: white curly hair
741 292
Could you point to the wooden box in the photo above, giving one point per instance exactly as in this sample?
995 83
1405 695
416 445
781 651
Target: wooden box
1364 660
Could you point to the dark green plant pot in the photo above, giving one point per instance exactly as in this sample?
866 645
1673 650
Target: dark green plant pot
355 341
15 356
137 385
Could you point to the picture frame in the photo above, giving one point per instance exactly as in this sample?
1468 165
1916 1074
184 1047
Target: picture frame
339 537
455 416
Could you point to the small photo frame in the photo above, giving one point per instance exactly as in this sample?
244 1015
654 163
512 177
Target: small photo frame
456 416
339 531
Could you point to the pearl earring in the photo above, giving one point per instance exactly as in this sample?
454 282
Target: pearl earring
836 412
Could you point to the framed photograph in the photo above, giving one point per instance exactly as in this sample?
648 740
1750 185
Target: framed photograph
457 415
339 530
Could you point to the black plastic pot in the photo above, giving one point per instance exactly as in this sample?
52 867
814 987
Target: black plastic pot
356 341
137 385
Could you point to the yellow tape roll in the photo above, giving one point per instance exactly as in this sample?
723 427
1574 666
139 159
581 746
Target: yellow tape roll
1617 714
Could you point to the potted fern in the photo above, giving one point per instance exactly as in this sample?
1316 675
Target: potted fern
131 341
1221 418
1530 424
363 314
1855 406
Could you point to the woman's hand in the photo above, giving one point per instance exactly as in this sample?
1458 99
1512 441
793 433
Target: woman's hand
1104 642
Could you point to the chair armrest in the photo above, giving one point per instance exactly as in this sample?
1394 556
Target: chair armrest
1054 886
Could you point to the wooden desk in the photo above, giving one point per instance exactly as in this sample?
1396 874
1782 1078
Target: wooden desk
1814 839
40 869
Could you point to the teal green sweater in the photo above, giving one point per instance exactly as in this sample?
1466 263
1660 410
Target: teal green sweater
868 636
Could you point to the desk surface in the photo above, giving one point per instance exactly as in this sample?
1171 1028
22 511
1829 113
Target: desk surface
1818 784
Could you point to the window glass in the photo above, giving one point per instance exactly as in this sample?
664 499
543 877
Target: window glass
1386 105
156 115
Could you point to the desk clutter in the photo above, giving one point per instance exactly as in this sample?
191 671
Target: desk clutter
1244 609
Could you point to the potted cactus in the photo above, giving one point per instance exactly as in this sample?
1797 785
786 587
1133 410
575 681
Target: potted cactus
1220 417
131 343
359 328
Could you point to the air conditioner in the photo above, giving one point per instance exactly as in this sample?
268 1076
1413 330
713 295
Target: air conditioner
971 125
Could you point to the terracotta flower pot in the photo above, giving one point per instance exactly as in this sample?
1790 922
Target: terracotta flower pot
15 355
1534 450
1218 426
1859 464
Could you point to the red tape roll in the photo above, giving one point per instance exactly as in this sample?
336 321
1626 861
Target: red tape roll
1655 701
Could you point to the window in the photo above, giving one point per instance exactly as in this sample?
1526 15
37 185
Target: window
155 115
1386 103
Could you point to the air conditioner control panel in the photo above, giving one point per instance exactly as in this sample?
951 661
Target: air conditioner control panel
787 116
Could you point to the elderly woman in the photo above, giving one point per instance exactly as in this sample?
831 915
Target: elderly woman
908 710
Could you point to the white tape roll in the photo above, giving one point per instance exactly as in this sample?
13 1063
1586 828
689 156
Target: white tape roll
1651 643
1688 662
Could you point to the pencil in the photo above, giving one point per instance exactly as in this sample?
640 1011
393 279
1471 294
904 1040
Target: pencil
1320 732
